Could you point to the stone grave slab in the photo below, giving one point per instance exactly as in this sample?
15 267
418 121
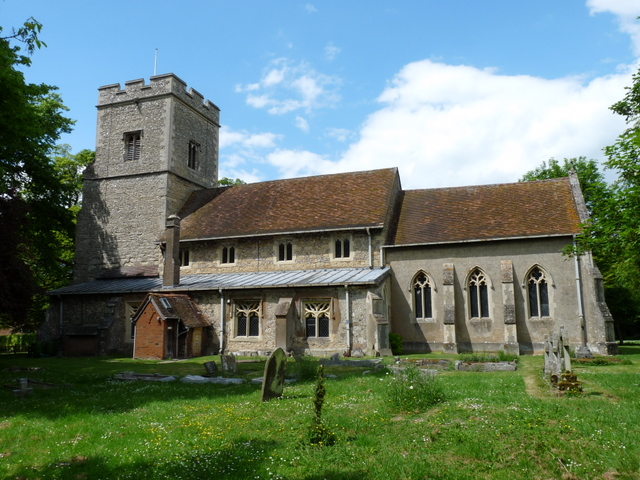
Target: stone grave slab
229 365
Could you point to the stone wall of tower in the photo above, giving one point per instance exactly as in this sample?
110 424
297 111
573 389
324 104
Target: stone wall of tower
126 201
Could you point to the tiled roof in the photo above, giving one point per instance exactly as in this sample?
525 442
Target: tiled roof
324 202
233 281
179 306
486 212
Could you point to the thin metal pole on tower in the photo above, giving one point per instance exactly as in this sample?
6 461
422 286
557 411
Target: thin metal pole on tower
155 64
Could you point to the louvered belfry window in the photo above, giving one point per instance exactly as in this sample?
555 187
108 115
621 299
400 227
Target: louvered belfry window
133 146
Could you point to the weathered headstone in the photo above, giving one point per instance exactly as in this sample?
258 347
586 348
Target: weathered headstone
274 372
229 366
211 367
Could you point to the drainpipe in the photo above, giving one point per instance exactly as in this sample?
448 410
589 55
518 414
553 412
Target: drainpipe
348 321
584 349
221 321
381 256
370 248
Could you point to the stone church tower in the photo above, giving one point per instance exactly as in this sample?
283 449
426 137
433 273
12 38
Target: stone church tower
155 145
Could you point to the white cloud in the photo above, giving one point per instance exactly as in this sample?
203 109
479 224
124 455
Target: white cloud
287 87
296 163
340 134
331 51
310 8
445 125
626 11
302 124
243 139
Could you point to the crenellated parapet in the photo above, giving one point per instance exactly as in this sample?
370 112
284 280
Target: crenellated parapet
158 86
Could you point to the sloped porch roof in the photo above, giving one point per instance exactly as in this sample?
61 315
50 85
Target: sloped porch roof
233 281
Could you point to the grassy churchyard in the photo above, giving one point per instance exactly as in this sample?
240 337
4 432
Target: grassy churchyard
468 425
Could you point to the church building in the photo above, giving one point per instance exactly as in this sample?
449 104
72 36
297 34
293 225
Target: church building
168 264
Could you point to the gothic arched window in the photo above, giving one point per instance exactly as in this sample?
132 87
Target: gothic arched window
538 288
422 304
478 294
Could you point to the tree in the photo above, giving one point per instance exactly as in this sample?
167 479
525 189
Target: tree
592 183
227 182
33 193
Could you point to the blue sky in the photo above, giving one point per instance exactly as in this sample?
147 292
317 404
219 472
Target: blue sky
453 93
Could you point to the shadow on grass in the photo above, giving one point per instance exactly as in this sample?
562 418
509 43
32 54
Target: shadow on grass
630 349
240 459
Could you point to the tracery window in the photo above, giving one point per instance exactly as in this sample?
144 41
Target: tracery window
538 293
133 145
316 316
478 294
422 301
248 318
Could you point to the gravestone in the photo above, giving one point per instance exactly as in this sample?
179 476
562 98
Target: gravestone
211 367
274 372
229 364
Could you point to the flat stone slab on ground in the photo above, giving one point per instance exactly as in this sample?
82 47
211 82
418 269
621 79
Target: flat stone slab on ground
216 380
486 366
147 377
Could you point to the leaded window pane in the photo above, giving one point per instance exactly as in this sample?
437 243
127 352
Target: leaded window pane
338 249
242 324
281 252
346 250
428 313
473 298
418 294
484 301
225 255
232 255
544 299
254 325
289 251
323 326
311 327
533 299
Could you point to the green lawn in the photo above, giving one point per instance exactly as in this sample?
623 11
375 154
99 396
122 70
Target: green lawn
502 425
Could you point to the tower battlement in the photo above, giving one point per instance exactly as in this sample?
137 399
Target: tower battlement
159 85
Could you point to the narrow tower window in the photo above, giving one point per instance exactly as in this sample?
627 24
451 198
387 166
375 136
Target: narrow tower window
193 155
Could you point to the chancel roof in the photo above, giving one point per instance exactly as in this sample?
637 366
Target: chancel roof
324 202
487 212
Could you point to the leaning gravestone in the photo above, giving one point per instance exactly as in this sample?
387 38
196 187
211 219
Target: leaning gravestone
274 372
211 368
229 364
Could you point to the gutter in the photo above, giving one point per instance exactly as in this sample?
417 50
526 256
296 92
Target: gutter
275 234
499 239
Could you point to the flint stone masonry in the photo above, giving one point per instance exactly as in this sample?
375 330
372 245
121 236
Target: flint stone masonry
126 201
